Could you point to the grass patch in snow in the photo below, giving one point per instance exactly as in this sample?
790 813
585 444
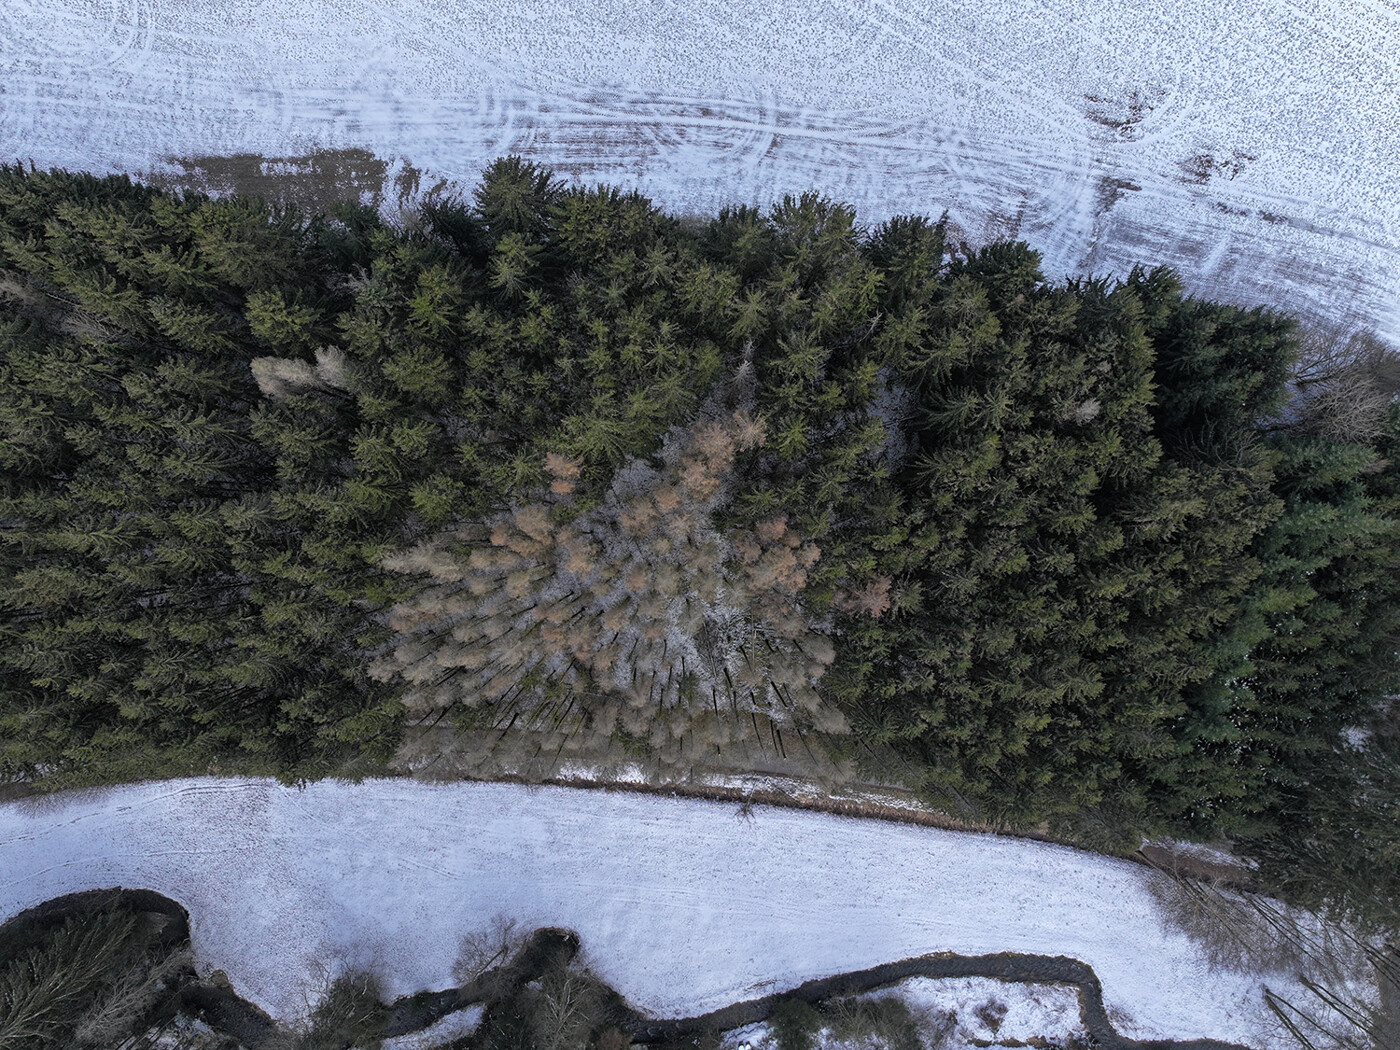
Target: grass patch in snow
922 1014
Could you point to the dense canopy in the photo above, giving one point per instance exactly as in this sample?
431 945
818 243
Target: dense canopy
1094 553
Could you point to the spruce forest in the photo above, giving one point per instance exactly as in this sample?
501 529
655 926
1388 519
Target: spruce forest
548 464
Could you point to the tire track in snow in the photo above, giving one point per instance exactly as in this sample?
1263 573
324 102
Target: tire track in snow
915 34
132 29
1069 211
750 132
746 144
106 38
119 84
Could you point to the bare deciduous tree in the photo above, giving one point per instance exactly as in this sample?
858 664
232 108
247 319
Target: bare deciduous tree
1344 383
112 1017
486 949
567 1009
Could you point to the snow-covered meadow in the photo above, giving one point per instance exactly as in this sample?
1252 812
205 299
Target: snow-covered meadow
684 906
1252 144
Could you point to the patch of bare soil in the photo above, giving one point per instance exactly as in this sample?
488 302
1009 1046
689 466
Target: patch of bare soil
314 181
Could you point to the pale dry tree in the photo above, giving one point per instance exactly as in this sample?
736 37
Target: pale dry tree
636 615
283 377
871 599
487 948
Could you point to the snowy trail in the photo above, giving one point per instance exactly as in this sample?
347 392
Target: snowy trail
1251 144
681 906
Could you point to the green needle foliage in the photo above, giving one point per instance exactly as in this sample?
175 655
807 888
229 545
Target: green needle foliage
1091 553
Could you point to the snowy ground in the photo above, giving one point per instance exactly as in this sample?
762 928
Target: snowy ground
453 1026
997 1011
681 905
1252 144
953 1013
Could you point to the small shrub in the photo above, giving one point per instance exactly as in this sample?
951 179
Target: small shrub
884 1023
350 1014
991 1013
794 1025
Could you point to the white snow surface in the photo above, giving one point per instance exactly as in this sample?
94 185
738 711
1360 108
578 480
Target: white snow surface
985 1012
1251 144
680 905
1022 1012
453 1026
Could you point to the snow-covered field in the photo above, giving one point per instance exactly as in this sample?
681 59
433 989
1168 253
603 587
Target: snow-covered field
680 904
1253 144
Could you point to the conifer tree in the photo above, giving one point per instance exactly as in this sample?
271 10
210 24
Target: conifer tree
1087 552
